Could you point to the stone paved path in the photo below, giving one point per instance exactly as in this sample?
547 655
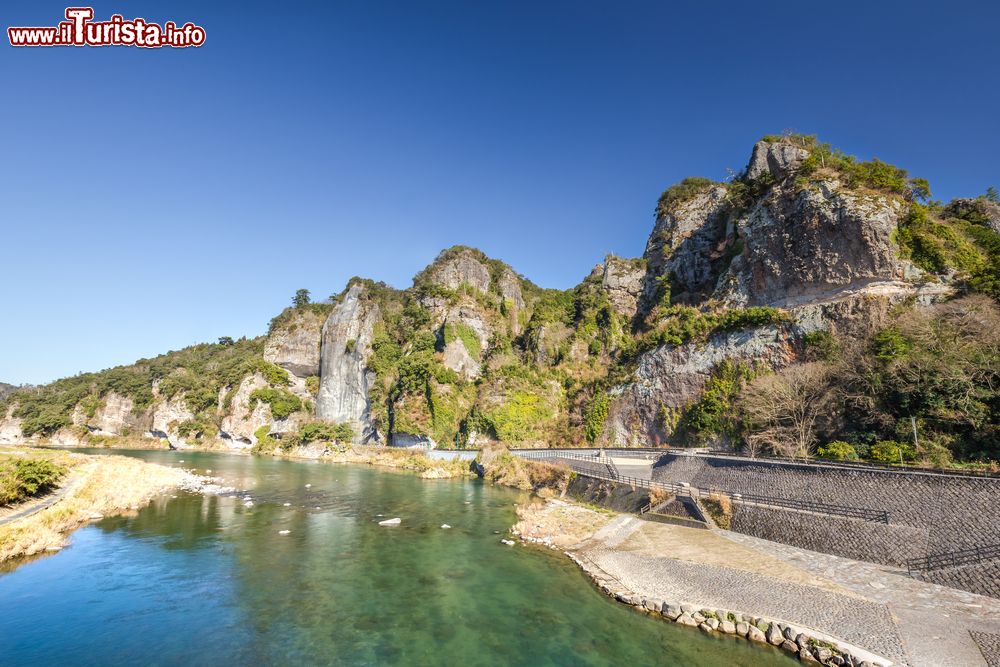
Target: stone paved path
935 622
634 553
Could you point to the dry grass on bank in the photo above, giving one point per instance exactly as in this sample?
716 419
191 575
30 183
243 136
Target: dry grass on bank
405 459
107 485
504 468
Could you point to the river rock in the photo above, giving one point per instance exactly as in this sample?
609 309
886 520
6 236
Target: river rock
790 646
396 521
671 611
686 619
728 627
774 634
754 634
805 655
652 604
742 628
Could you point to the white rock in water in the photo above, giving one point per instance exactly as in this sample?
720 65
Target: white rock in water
53 548
95 516
283 532
444 525
308 486
509 543
288 505
209 470
390 522
181 461
248 503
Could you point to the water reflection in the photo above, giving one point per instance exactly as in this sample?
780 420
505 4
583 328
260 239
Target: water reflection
207 580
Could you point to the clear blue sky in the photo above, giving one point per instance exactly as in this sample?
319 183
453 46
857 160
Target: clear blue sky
150 199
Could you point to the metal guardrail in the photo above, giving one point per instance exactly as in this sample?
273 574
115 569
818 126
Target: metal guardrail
953 558
864 514
858 465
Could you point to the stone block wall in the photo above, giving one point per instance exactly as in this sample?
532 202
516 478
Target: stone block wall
852 538
928 513
982 578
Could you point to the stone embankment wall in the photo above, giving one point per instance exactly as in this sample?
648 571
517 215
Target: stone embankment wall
928 513
618 497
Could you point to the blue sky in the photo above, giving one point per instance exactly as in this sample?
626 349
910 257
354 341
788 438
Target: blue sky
150 199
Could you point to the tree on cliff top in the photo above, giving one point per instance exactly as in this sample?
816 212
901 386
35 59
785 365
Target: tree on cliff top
301 298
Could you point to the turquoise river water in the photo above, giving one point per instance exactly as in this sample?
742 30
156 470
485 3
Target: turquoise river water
205 580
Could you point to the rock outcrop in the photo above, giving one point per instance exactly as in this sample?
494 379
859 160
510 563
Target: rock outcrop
667 379
461 268
168 415
344 374
685 246
295 344
622 280
979 210
243 419
116 415
806 244
774 159
10 428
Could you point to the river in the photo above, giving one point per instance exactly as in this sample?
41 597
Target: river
205 580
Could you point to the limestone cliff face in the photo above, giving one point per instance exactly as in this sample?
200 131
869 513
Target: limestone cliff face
623 280
687 243
243 419
822 251
168 415
10 428
295 344
775 160
669 378
462 268
456 353
116 415
344 375
803 244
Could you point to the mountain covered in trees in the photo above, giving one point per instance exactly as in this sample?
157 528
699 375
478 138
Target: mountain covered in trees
814 303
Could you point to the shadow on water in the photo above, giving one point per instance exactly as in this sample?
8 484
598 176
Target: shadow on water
204 580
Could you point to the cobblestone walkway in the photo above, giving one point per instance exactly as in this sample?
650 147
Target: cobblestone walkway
861 622
935 622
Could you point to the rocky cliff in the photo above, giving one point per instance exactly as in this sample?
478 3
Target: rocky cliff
344 373
738 279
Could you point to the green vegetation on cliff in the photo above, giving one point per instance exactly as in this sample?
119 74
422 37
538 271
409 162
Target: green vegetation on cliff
198 372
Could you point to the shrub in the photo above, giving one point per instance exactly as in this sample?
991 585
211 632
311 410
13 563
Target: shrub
892 451
23 478
325 431
821 346
595 415
681 192
712 414
838 450
465 333
282 402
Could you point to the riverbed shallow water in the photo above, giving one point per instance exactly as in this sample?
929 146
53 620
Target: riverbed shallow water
206 580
